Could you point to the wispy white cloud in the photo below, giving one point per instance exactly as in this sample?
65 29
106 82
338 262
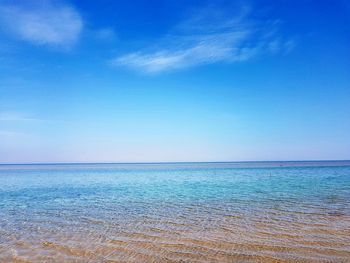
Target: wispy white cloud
45 22
210 36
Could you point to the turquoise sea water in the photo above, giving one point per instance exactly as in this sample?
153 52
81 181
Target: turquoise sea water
192 212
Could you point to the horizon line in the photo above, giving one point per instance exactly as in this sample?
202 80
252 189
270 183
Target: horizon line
178 162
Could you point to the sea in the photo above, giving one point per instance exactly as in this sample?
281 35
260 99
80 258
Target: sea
176 212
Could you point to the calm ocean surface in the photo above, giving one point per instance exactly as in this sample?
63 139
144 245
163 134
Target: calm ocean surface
176 212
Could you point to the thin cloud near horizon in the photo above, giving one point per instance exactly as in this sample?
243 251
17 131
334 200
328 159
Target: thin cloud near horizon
17 117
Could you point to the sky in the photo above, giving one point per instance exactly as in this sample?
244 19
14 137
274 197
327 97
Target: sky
174 80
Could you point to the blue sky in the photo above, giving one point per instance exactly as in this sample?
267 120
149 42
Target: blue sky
148 81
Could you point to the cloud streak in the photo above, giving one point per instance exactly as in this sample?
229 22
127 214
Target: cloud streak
47 23
208 37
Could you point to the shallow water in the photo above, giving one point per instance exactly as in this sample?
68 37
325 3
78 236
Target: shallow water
184 212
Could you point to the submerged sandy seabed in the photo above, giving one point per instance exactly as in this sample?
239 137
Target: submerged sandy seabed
270 237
